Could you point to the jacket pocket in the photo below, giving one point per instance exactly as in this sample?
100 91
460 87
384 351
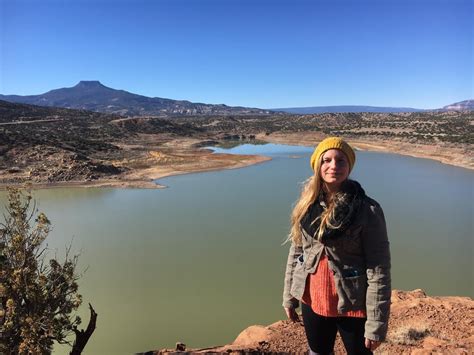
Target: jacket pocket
355 289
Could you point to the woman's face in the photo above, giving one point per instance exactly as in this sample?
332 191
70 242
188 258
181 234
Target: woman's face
334 168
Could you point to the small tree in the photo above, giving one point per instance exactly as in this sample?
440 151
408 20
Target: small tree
38 297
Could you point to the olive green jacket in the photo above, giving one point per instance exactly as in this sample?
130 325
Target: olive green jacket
360 262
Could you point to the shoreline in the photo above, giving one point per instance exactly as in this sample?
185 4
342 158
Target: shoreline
204 160
144 178
455 156
419 324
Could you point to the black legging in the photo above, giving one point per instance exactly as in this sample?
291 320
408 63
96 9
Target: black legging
321 332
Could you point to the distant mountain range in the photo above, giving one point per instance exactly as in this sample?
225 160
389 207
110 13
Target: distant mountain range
94 96
342 109
467 105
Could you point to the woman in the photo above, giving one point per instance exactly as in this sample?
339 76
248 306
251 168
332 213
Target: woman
339 259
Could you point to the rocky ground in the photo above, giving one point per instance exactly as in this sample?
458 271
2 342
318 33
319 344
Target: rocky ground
419 325
49 147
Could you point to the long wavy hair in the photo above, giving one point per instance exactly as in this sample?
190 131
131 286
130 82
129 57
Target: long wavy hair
309 193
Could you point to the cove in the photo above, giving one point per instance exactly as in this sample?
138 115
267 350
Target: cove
203 259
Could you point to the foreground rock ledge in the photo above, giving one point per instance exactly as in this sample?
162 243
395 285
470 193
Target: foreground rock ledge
419 324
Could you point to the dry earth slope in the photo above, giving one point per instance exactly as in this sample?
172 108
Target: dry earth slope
419 324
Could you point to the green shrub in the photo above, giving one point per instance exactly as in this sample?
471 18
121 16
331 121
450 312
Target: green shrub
38 296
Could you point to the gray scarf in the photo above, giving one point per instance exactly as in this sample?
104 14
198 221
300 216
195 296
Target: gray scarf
348 201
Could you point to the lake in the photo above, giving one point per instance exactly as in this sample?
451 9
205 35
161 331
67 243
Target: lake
203 259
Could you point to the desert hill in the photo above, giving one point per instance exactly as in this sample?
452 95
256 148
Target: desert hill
467 105
44 145
94 96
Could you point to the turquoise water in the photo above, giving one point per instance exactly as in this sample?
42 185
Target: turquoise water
201 260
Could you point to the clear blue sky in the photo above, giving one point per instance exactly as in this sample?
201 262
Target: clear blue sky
259 53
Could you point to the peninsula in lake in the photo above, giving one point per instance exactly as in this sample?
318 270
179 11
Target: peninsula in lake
92 135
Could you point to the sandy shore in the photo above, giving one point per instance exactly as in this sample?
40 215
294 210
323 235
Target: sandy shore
180 156
175 157
457 155
145 178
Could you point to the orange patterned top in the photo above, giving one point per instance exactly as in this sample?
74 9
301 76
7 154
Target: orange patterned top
320 293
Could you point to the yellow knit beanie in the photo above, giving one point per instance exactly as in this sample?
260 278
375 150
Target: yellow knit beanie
333 143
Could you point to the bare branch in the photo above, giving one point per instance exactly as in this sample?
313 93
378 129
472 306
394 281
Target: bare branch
82 336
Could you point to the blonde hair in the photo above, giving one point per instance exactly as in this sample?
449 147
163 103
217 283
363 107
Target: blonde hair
309 193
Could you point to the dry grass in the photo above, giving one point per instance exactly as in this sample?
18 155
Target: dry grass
409 334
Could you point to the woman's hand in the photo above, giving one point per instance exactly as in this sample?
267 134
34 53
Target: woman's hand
291 314
372 344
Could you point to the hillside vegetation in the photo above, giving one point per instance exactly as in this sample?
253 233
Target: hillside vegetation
51 145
